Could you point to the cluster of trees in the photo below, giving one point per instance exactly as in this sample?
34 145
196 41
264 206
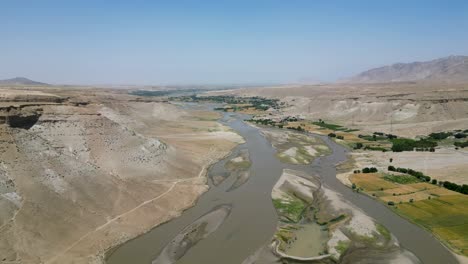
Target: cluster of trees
455 187
461 144
369 170
377 136
406 144
256 102
440 135
446 184
375 148
411 172
298 128
263 121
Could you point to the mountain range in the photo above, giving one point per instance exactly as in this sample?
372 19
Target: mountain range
452 69
20 81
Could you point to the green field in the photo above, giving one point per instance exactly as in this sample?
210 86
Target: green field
446 216
401 179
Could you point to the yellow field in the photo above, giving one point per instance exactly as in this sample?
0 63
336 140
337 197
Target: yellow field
371 182
403 189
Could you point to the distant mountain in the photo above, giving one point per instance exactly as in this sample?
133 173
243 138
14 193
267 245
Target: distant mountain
448 69
20 81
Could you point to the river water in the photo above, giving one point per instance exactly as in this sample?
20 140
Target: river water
252 221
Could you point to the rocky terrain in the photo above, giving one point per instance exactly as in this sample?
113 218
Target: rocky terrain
448 69
83 170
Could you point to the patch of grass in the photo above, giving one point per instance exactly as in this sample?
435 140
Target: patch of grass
337 219
384 232
342 246
291 208
329 126
401 179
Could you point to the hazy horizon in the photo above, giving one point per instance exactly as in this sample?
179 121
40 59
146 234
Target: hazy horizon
214 42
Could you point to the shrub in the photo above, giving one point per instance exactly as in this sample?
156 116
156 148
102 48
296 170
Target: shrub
369 170
391 168
332 135
440 135
461 144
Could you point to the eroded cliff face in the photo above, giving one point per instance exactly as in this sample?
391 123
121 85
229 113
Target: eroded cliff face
82 174
20 117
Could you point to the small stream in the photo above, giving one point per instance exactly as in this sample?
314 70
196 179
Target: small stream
253 219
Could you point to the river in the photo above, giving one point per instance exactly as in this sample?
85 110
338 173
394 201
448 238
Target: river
253 219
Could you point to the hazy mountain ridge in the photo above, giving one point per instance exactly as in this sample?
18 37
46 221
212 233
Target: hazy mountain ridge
447 69
20 81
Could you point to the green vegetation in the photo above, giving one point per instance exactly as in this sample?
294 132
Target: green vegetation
291 209
334 127
411 172
461 144
406 144
238 103
342 246
369 170
376 148
338 218
446 216
455 187
401 179
150 93
384 232
440 135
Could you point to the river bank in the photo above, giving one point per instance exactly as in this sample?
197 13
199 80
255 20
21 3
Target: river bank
253 219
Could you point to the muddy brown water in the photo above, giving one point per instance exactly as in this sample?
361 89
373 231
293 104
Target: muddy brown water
253 219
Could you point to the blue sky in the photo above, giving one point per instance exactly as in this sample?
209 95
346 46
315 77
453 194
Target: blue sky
221 42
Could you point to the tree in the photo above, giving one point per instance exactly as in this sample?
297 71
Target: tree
434 181
353 186
332 135
391 168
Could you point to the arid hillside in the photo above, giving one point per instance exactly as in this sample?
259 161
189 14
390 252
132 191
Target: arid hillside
82 170
407 109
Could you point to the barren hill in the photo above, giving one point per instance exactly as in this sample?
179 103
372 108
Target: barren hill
448 69
20 81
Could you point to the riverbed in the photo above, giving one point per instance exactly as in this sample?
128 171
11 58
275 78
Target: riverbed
252 220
